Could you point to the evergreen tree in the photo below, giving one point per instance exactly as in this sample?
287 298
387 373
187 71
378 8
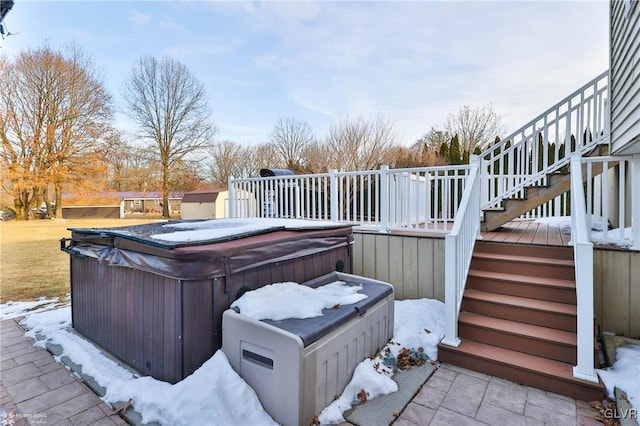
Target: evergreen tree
507 158
540 152
444 150
454 151
465 157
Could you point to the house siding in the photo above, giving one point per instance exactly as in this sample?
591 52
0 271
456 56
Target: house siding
625 77
414 265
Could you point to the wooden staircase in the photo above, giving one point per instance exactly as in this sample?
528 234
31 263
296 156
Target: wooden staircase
518 318
535 195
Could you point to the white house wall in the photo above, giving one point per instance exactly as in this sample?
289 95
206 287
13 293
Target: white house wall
198 210
625 76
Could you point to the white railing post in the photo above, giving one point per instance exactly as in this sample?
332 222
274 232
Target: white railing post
635 201
451 292
232 197
384 199
333 195
476 160
583 263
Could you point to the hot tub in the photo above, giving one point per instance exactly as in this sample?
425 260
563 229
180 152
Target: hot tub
153 295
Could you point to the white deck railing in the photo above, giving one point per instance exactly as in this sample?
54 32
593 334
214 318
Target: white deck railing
607 199
459 245
545 144
610 184
422 199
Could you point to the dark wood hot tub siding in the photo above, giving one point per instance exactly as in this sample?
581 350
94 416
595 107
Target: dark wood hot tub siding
165 327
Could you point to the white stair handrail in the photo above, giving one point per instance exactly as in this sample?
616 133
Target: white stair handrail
578 122
459 246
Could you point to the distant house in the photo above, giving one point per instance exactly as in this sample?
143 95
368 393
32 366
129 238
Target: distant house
148 202
205 204
128 202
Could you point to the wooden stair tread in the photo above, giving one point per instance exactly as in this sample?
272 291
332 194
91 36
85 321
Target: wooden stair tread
523 302
528 279
561 337
523 361
523 259
525 249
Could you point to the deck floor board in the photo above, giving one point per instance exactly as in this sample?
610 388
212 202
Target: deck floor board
517 231
527 232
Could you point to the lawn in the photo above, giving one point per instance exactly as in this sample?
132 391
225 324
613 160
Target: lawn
31 263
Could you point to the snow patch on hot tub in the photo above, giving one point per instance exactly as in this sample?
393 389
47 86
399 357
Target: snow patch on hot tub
216 229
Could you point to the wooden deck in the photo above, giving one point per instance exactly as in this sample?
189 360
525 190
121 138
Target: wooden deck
528 232
517 231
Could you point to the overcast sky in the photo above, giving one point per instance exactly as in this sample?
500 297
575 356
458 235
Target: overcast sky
411 62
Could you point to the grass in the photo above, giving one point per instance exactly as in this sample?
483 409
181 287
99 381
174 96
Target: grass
31 263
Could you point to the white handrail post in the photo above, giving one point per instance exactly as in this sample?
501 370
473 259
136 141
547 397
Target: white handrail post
232 197
451 292
583 257
384 199
635 201
476 160
333 194
585 367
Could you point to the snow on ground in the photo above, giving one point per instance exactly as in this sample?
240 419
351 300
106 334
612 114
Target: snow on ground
215 391
17 309
418 324
214 229
624 374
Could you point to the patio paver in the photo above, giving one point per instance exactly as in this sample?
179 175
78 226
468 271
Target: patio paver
457 396
35 389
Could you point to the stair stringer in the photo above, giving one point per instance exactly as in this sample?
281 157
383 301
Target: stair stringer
535 195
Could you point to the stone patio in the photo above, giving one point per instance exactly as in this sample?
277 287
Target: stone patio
35 389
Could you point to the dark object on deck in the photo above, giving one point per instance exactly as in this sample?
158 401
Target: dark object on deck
157 304
5 7
275 172
278 198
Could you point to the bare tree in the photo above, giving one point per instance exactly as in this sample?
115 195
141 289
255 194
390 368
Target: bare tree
475 126
263 156
229 159
434 139
360 144
289 139
317 158
416 155
54 112
170 107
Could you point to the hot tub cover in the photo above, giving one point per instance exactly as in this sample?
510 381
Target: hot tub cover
196 249
184 233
